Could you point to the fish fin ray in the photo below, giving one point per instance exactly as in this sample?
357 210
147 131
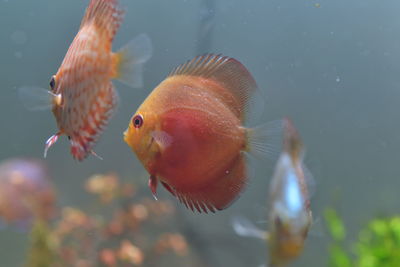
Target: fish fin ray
105 14
96 155
228 72
35 98
310 182
244 227
265 140
84 139
130 60
168 188
51 141
153 183
163 139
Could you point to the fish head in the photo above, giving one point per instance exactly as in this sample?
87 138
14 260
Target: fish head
140 137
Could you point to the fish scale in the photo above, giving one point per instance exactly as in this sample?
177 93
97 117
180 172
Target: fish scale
189 132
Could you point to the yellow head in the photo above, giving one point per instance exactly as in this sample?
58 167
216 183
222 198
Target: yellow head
139 136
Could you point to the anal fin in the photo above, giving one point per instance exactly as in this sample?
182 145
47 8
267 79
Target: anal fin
220 193
84 138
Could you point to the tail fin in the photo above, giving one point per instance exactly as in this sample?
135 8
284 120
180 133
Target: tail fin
129 61
106 14
265 140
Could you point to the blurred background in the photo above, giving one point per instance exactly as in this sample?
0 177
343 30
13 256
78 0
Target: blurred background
332 66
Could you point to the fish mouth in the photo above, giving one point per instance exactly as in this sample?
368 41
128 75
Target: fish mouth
126 135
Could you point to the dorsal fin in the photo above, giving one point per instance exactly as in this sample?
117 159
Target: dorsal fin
226 71
106 14
292 143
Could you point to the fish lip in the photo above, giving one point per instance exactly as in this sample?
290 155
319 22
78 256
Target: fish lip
126 135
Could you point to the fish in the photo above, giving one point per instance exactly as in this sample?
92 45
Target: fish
82 96
189 132
290 215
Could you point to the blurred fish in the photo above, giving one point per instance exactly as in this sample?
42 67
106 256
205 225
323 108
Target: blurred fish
189 132
289 205
25 192
82 96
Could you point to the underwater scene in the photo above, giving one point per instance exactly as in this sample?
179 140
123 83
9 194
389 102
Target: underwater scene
199 133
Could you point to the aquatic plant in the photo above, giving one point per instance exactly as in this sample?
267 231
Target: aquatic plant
117 234
26 192
378 243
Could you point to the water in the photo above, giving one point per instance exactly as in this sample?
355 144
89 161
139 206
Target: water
332 69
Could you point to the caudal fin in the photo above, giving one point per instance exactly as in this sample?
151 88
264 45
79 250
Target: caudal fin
129 60
265 141
106 15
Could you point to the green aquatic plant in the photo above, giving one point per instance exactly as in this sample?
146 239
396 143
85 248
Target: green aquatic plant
116 233
338 255
377 245
41 251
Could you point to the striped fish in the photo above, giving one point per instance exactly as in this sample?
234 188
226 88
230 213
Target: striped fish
83 96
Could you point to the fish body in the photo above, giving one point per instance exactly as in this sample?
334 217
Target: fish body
290 215
84 96
189 132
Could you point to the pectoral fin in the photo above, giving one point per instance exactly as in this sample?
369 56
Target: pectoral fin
153 182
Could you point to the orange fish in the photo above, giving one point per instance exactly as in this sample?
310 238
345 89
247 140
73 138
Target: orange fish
82 95
189 132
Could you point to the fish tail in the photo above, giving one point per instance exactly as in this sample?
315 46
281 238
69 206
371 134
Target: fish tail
219 194
129 60
106 15
265 140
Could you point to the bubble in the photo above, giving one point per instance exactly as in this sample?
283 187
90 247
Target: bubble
19 37
337 79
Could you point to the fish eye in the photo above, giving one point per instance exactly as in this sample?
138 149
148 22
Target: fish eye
52 82
137 121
